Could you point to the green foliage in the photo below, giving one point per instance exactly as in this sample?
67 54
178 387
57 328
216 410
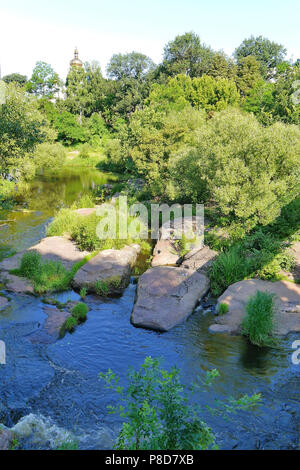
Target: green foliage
158 413
104 288
259 254
44 81
83 292
7 190
186 55
48 156
69 129
211 94
68 445
69 325
268 53
22 128
78 315
15 78
132 65
259 321
47 276
223 308
249 171
79 312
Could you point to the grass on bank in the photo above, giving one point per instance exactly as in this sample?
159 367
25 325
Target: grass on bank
83 231
259 321
47 276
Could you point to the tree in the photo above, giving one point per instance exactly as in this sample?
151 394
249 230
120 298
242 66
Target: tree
22 128
186 55
222 66
248 74
268 53
133 65
159 413
77 91
16 78
204 92
44 81
246 169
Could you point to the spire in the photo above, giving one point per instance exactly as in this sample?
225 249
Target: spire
76 62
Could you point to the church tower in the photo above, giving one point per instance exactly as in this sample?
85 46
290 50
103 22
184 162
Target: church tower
76 62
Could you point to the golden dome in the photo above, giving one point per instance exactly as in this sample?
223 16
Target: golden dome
76 62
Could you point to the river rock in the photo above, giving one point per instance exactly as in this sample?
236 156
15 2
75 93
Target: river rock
108 265
164 254
199 260
166 296
287 298
16 284
85 211
6 438
50 248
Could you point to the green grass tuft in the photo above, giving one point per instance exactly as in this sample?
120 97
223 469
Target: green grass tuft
258 323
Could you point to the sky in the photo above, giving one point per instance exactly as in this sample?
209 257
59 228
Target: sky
49 30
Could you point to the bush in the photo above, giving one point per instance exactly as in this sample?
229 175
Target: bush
7 190
159 413
47 275
49 156
79 312
223 308
69 325
258 323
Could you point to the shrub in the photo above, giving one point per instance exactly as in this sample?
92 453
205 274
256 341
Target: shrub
83 292
223 308
49 156
258 323
69 325
158 413
79 312
30 264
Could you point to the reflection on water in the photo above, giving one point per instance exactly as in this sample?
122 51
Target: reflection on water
44 196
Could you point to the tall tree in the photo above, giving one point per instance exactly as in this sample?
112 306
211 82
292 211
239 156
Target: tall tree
16 78
77 93
186 55
268 53
248 74
132 65
44 81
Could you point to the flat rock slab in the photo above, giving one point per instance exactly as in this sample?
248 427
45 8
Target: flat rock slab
16 284
164 254
199 260
166 296
287 298
6 438
50 248
49 333
106 265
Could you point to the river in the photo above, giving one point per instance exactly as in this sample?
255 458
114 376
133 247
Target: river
50 392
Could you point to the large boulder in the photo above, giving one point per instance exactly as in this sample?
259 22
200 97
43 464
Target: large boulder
109 269
166 296
199 260
287 298
6 439
165 254
16 284
50 331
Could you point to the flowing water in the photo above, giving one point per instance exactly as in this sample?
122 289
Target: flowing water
51 392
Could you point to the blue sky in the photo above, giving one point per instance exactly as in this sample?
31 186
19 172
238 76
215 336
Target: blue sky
39 30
